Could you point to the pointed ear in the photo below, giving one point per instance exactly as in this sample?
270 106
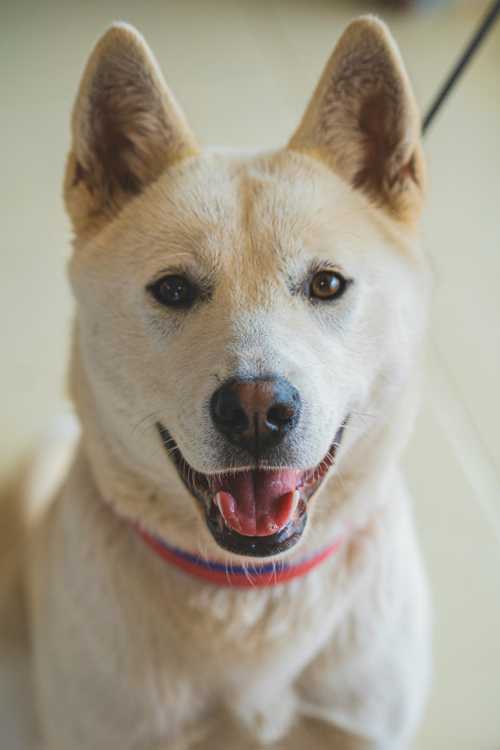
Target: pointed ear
126 127
363 120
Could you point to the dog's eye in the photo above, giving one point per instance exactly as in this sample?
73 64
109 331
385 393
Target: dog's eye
327 285
174 291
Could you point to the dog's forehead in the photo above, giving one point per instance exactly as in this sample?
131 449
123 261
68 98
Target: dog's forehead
222 208
256 219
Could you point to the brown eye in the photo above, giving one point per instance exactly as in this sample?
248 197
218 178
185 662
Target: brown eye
327 285
174 291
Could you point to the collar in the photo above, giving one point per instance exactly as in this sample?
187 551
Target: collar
254 575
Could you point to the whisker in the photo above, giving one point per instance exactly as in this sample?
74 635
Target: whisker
143 421
363 414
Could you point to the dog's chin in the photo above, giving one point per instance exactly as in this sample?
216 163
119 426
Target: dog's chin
273 532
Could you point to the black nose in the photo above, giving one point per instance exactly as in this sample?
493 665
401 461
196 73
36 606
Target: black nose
256 414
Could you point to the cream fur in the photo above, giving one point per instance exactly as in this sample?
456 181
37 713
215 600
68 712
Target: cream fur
128 652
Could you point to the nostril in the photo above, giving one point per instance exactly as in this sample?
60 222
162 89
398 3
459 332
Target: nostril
236 419
228 413
280 415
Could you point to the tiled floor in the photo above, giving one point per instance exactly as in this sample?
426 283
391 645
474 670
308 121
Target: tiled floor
243 70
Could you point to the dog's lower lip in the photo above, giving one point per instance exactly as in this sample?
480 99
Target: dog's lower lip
201 486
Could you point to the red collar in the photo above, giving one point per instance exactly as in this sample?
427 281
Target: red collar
254 575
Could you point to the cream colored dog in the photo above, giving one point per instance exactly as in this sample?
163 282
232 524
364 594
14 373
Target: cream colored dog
244 370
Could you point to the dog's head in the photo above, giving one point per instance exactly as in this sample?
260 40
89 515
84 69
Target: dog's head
243 321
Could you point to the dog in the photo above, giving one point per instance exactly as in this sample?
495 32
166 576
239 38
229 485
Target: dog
230 560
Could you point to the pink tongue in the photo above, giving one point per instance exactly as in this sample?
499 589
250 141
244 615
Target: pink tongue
257 503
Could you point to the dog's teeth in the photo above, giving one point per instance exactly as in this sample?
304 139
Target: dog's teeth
217 501
295 500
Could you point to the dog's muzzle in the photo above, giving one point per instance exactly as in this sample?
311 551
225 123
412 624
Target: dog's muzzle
256 511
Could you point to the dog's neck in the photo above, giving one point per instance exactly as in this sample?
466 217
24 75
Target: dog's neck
249 575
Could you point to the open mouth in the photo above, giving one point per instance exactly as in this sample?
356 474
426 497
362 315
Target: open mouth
255 512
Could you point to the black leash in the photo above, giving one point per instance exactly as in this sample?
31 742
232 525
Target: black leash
485 26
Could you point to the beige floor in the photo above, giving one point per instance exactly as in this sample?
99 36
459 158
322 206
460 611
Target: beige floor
243 70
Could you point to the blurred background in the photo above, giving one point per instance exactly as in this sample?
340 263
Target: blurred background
243 71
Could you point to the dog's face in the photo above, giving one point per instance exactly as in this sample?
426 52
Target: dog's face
235 313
